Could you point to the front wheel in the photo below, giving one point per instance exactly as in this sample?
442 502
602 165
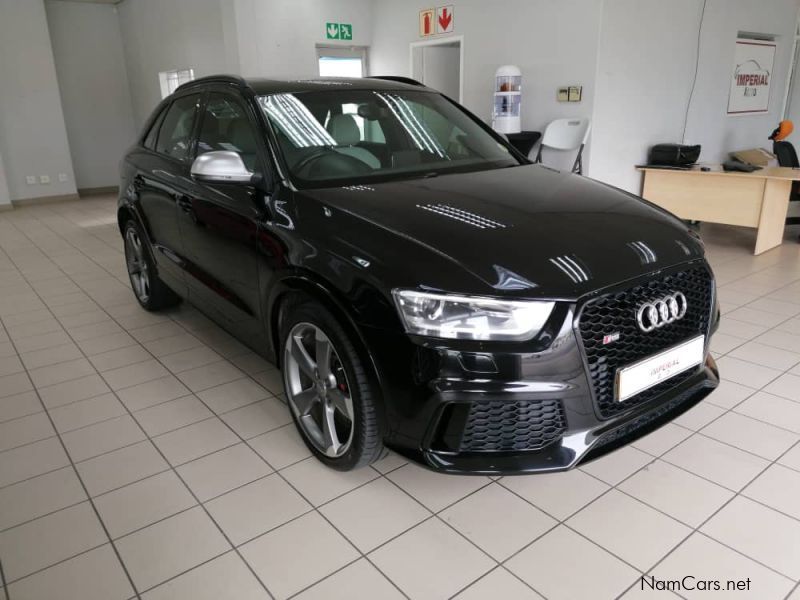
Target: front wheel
331 399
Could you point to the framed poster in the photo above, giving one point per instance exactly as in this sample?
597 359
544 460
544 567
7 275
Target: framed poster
752 77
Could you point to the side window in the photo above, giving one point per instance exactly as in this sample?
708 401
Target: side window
225 126
150 138
175 135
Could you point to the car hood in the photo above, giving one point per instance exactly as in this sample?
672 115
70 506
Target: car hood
525 231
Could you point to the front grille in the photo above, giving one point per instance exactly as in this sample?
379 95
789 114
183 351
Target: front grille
616 313
503 426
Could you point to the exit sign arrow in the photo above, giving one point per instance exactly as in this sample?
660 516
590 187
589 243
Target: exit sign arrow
332 31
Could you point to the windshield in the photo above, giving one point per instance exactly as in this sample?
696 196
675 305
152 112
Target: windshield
334 137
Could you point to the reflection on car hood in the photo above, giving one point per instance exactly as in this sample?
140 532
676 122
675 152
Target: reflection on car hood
524 231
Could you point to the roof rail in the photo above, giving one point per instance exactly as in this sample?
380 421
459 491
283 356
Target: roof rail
234 79
399 79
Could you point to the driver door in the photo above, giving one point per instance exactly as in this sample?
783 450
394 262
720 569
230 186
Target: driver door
220 222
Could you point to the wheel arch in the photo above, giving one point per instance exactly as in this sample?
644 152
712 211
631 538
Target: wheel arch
304 285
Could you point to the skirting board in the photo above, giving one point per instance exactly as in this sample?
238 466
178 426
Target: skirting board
45 199
97 191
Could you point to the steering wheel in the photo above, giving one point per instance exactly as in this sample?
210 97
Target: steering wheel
355 165
311 157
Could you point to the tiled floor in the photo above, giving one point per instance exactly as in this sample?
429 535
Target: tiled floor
150 456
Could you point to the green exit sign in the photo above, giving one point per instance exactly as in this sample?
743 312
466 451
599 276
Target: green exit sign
339 31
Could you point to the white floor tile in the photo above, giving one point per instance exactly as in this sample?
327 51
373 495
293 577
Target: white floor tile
49 539
548 566
498 521
431 561
372 514
761 533
94 575
558 494
298 554
224 577
257 507
706 559
607 521
170 547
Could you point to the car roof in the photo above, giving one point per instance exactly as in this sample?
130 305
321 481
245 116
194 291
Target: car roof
275 86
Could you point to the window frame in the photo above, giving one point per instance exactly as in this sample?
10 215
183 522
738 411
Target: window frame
263 163
190 153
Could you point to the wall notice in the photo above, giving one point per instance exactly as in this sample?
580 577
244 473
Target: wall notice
752 77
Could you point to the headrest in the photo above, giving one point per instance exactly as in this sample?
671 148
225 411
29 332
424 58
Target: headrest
783 131
344 129
241 135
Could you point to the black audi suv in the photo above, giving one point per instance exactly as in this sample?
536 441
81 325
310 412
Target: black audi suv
421 285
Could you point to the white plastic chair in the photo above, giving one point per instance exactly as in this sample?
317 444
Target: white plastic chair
565 135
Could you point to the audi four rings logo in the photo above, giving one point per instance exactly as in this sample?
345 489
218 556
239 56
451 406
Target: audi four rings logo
655 314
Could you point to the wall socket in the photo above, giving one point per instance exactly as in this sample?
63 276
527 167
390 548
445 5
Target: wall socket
62 177
44 178
30 179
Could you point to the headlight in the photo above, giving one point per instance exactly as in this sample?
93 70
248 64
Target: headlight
471 318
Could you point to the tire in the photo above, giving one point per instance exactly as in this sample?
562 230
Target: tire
152 293
310 324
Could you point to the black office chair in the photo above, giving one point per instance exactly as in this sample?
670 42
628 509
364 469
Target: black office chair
787 157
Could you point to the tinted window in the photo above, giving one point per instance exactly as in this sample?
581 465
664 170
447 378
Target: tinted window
357 136
225 126
175 135
150 139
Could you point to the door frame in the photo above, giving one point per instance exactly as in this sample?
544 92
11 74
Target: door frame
450 39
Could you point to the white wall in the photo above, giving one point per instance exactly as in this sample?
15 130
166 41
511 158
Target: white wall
646 60
277 38
162 35
33 138
94 88
554 42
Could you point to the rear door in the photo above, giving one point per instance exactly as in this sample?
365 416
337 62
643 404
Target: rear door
220 222
162 178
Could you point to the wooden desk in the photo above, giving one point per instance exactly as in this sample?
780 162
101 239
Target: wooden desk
759 199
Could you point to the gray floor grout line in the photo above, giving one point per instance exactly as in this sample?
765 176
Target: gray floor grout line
791 591
3 581
83 486
287 482
224 535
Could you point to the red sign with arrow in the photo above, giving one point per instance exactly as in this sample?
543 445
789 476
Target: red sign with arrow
444 19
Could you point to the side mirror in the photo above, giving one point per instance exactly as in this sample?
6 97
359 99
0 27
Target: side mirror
221 166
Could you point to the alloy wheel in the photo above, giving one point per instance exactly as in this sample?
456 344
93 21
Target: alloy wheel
137 265
317 390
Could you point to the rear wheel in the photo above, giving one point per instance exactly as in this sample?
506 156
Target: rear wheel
150 291
329 394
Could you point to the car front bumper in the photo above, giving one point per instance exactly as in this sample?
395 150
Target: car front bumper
481 408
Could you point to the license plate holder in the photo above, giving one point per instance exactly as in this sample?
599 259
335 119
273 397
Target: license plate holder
650 371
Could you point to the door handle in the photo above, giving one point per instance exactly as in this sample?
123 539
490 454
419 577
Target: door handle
184 203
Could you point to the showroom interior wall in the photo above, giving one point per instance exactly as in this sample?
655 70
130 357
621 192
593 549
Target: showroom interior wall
554 43
163 35
33 137
278 38
95 95
645 68
634 59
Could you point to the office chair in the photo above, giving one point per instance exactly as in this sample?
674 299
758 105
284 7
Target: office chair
787 157
566 134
